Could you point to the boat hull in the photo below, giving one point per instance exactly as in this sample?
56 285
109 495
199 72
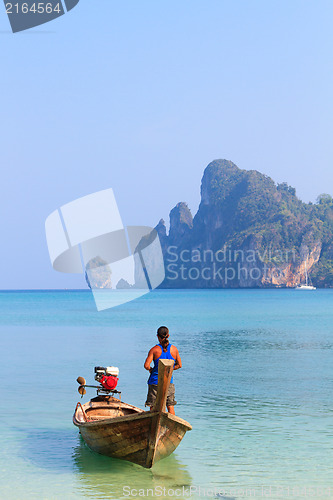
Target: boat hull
116 429
305 287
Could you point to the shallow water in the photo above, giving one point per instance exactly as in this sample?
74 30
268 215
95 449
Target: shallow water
256 385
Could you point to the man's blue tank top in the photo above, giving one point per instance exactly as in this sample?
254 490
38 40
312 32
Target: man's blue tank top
153 379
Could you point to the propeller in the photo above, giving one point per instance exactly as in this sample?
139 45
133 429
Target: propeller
82 382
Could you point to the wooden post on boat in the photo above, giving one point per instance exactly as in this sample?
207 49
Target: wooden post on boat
165 369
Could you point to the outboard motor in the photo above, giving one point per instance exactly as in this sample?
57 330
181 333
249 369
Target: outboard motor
107 376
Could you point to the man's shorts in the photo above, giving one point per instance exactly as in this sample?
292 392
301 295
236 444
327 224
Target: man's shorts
152 393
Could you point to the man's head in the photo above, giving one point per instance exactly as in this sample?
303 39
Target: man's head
162 335
163 332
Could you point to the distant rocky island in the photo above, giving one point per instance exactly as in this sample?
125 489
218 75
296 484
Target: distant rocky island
248 232
98 273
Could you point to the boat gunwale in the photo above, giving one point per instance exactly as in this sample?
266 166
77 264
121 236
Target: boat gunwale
126 418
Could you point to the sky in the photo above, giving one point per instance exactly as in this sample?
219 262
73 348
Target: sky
140 96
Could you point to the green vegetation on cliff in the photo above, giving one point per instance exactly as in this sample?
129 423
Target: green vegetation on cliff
246 210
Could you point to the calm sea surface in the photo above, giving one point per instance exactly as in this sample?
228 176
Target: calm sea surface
256 384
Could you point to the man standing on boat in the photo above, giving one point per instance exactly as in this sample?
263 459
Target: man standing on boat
163 350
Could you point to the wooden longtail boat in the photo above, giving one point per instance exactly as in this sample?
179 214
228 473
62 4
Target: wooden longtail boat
120 430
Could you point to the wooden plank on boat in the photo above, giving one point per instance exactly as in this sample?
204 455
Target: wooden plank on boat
165 369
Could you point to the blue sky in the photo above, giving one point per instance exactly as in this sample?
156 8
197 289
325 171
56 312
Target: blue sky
141 95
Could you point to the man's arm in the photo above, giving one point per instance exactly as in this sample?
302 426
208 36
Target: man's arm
149 359
178 362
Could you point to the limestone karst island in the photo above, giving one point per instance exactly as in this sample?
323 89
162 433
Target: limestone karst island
248 232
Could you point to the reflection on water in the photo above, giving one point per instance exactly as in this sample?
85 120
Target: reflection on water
49 448
64 451
104 477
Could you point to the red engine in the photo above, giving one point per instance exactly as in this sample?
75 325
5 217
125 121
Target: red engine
109 382
107 376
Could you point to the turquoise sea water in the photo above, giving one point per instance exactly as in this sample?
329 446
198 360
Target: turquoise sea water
256 385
